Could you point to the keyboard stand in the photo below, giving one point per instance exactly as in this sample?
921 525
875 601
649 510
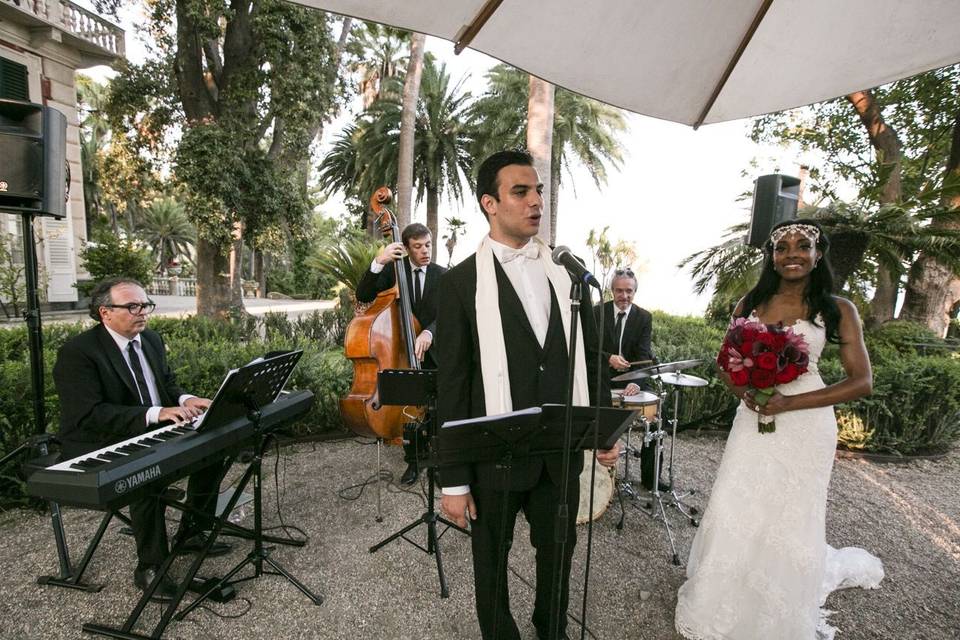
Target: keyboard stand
72 581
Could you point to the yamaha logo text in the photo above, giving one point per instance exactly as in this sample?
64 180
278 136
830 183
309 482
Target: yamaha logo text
135 480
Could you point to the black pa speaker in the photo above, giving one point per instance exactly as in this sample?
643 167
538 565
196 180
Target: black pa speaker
33 166
774 200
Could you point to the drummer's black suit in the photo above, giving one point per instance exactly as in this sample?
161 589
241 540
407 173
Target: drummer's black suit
636 346
537 375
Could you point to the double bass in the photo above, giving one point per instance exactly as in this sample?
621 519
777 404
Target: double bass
382 337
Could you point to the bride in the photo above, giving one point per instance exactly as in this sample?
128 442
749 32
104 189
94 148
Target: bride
759 560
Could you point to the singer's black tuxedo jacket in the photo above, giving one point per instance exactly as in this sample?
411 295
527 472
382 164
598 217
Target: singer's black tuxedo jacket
537 374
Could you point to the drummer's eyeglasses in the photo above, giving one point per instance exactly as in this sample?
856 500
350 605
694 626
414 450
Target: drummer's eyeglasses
623 272
135 308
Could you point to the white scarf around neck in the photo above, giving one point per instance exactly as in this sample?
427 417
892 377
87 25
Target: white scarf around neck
493 351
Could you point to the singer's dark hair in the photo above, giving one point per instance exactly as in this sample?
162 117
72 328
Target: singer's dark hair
487 181
818 295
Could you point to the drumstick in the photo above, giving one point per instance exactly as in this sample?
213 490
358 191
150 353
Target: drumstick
633 364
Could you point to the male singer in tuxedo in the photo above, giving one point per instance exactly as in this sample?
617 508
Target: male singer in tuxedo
423 278
626 338
502 345
114 383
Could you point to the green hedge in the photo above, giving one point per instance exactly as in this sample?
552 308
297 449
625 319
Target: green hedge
688 338
914 408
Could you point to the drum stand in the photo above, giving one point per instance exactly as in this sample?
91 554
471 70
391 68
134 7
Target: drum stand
655 508
674 499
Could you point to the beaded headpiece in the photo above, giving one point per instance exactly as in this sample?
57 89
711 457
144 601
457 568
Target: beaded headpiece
807 230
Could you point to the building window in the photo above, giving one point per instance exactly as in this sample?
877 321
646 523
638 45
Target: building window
13 80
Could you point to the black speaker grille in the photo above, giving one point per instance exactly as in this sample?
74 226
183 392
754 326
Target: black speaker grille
13 80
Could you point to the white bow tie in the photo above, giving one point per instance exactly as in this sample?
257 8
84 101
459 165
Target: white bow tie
529 252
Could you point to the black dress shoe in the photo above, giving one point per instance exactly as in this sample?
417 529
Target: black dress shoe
410 475
196 542
164 592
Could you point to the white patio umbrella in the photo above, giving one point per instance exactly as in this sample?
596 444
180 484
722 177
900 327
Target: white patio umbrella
692 61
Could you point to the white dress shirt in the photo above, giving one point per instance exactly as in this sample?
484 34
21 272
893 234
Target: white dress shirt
529 280
153 413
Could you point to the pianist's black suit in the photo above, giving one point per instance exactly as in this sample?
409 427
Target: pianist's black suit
99 405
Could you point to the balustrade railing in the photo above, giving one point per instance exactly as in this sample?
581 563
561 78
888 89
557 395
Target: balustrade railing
76 21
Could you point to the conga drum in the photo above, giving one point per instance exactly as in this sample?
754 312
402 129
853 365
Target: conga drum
604 488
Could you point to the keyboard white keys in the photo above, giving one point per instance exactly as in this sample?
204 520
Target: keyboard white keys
126 447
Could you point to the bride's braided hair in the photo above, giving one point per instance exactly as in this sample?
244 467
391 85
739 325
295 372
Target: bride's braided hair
818 296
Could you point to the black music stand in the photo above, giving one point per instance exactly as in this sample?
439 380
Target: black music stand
418 387
244 393
506 437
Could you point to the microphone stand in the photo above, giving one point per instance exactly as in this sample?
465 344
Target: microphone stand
563 515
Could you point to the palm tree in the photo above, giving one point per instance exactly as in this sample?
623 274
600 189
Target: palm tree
378 56
583 129
862 242
365 155
168 232
94 134
408 116
345 261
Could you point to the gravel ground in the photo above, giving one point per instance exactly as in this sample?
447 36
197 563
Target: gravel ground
908 515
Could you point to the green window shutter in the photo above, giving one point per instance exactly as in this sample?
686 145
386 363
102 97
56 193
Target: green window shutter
13 80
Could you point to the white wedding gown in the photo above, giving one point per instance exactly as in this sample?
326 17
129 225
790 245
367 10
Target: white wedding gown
760 567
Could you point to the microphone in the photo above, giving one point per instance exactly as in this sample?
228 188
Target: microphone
562 256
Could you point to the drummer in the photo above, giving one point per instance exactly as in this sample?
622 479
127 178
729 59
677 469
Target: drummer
626 345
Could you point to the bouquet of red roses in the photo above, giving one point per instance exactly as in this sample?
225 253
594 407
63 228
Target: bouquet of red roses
762 356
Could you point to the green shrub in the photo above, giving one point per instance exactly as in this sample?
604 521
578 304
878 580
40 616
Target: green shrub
111 255
688 338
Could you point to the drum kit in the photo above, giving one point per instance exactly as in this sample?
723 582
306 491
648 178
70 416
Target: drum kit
667 380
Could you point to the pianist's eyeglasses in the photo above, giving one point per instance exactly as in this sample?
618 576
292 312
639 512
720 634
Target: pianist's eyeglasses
135 308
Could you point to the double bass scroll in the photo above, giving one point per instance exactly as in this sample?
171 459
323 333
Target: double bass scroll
382 337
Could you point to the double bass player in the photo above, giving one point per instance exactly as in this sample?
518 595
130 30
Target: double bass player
423 277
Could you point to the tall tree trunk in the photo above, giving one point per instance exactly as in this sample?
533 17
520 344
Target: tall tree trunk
540 143
259 273
554 195
933 290
888 149
236 268
408 121
433 209
213 285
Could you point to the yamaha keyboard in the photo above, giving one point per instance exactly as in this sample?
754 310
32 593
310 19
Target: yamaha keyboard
114 476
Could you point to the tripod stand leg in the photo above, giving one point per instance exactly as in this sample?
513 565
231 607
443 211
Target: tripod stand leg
433 543
379 517
315 598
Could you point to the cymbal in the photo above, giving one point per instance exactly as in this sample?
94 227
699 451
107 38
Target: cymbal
641 398
681 379
649 372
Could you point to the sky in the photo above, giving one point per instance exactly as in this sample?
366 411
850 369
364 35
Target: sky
676 192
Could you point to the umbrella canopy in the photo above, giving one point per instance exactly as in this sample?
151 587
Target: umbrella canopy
692 61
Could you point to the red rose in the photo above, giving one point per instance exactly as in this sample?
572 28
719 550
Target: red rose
768 338
749 334
780 341
747 348
767 360
739 378
789 373
762 378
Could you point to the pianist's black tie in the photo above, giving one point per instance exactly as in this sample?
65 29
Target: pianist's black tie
138 374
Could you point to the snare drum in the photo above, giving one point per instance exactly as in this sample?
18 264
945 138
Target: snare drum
644 402
616 397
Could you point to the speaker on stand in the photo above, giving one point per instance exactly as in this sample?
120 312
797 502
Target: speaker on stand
33 182
775 199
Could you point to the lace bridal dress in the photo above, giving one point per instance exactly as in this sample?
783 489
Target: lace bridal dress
760 567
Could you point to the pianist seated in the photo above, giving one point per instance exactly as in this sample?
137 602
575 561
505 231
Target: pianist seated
114 383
